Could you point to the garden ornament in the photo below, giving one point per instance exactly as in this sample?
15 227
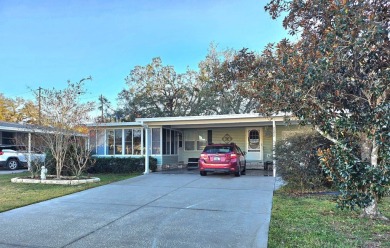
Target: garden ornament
43 173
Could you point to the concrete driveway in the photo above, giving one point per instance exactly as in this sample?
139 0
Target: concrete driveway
155 210
6 171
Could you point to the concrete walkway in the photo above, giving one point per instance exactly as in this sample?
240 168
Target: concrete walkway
155 210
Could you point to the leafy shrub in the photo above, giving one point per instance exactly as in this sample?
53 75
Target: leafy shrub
298 163
79 158
51 164
35 168
121 165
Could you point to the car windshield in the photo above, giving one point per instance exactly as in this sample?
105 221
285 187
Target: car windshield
218 149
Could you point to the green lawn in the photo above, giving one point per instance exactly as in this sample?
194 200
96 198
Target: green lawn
14 195
313 221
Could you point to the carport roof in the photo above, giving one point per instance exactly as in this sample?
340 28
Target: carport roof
205 121
233 120
17 127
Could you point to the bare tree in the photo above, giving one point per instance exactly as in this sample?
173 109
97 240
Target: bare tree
63 114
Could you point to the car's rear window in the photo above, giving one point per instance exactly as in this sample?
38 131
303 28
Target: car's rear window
218 149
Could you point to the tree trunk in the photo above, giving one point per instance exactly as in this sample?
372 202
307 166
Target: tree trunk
372 211
58 170
370 154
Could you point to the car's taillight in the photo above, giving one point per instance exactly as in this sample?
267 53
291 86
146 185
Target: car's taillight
203 156
1 152
233 155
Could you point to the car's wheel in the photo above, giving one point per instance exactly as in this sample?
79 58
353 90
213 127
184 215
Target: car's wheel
203 173
12 164
238 173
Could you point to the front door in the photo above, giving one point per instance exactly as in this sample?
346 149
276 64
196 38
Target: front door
254 144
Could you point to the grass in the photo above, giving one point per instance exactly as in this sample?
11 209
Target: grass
14 195
314 221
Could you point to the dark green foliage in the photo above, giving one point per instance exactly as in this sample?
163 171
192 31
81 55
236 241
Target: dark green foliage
359 182
50 163
122 165
298 163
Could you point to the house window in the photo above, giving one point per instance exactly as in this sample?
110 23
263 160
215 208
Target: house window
195 140
137 134
156 141
114 142
180 139
254 140
128 141
169 141
189 141
110 142
118 141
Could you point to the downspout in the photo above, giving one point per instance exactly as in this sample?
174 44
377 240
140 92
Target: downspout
147 150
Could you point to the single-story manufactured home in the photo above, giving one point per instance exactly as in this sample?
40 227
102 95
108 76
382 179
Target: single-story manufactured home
179 139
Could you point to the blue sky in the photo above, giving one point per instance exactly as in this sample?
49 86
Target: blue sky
44 43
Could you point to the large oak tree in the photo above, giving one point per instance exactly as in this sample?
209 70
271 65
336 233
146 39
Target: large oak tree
336 78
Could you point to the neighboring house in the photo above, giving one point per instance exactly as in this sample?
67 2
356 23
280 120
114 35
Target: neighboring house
178 139
15 133
19 134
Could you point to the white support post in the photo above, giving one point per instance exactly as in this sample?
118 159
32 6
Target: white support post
273 147
147 149
29 152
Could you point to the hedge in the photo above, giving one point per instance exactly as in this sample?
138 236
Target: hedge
298 163
121 165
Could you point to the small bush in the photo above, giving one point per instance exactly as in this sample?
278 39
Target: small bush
298 163
121 165
50 163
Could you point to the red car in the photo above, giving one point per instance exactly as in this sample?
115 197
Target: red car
222 158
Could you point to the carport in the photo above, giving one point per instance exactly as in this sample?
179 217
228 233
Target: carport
19 134
180 140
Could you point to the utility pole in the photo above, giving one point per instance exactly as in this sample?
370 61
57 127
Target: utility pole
39 105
